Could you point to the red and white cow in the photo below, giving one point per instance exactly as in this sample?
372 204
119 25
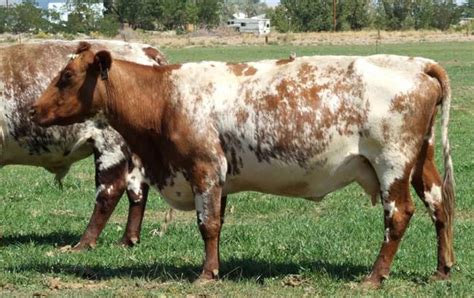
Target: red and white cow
299 127
25 71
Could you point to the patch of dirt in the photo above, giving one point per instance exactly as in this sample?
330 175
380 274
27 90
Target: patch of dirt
294 280
55 283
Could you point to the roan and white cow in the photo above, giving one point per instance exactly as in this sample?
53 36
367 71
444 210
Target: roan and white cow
25 71
299 127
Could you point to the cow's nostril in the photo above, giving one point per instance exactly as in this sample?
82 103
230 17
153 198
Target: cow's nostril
32 112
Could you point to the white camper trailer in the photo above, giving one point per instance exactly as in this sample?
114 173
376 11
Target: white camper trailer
257 24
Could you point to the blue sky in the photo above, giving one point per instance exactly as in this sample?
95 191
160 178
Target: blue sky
44 3
272 2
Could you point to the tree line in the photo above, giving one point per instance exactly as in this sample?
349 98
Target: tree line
310 15
290 15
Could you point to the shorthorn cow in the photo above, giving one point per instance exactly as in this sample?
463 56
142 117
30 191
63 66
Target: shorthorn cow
25 71
300 127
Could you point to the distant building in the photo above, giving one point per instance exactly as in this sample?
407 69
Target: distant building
258 24
466 21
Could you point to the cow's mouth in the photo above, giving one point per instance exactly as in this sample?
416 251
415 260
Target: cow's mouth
42 119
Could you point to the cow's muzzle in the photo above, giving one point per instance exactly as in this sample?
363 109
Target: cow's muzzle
34 115
33 112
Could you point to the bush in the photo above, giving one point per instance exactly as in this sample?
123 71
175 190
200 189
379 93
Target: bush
108 26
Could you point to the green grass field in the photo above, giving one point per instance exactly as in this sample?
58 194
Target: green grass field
270 246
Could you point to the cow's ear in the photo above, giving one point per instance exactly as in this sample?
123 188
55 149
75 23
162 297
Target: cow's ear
103 60
82 47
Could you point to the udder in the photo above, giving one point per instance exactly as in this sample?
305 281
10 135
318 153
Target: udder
178 193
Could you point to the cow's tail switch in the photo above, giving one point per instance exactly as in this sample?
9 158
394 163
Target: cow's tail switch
436 71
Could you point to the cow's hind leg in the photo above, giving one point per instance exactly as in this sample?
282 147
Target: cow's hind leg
428 185
398 209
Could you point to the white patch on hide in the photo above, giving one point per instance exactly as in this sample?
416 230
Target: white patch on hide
390 208
386 238
433 198
110 189
99 190
200 202
134 182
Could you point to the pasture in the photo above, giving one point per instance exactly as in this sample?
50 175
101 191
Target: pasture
269 245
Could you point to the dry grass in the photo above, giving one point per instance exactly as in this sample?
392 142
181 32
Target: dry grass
300 39
230 38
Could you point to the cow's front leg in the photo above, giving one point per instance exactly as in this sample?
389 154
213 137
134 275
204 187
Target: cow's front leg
110 185
210 208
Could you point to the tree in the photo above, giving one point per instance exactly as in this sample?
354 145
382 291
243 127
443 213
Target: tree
309 15
447 13
395 11
280 18
126 11
83 17
423 14
192 12
172 14
208 12
4 22
25 17
355 13
419 14
468 9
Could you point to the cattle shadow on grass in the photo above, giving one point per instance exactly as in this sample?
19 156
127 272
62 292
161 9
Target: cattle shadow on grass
55 238
234 270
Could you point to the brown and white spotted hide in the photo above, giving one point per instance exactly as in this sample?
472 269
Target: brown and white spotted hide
25 71
300 127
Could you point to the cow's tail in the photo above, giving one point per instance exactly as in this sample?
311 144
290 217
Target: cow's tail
436 71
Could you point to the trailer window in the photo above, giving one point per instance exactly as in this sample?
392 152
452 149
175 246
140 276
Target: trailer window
243 24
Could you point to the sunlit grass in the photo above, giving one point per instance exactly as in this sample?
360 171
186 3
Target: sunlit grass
270 246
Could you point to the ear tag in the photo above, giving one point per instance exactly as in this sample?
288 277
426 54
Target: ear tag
104 73
72 56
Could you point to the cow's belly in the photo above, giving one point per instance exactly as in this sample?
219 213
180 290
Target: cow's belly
55 158
14 154
325 174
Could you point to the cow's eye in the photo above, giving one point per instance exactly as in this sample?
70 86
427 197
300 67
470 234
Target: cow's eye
64 79
67 75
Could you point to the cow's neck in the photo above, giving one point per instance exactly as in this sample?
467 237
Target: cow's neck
132 97
135 98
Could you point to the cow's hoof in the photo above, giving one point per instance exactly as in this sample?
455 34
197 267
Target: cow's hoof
207 277
440 276
371 283
79 247
203 281
129 242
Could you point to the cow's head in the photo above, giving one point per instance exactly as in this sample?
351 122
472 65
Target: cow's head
74 94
